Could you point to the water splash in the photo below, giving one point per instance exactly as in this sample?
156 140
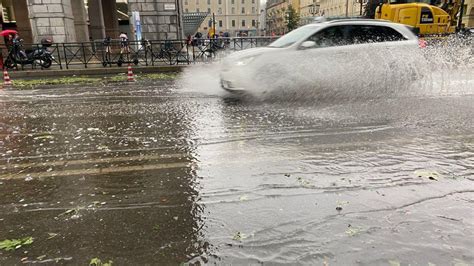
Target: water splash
444 68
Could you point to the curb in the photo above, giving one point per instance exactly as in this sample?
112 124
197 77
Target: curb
91 71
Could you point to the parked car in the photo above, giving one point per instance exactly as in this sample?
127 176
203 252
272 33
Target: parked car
334 52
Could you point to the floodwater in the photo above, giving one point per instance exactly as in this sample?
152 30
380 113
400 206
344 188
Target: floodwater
166 173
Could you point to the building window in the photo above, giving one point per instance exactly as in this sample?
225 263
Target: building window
220 2
186 10
253 22
197 9
219 11
232 2
253 1
253 10
208 2
243 1
208 10
233 10
220 23
197 2
243 10
243 23
186 2
233 23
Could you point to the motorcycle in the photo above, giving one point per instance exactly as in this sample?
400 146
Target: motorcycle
40 56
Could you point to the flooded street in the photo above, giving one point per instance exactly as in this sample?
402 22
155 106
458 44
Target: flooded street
166 173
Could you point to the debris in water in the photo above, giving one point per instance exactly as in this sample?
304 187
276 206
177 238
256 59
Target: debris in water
304 182
98 262
238 236
394 263
12 244
52 235
243 198
431 175
340 204
353 231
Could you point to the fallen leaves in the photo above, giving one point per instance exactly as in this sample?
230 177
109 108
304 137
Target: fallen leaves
98 262
12 244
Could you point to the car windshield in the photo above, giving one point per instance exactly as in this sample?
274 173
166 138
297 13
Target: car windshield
292 37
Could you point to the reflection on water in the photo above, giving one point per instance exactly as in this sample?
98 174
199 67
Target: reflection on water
165 174
88 175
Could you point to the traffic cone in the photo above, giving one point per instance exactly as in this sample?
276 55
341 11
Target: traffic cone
6 78
130 77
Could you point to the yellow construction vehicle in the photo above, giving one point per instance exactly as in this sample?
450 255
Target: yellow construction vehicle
427 19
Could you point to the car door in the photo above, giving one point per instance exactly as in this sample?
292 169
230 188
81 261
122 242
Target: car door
384 54
324 63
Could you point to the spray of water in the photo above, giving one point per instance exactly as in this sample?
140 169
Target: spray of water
444 68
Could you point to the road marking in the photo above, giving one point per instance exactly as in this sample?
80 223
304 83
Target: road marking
94 160
98 171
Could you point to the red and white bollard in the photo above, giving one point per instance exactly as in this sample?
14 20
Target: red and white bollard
130 77
6 78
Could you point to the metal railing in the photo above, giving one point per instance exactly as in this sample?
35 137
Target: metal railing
143 53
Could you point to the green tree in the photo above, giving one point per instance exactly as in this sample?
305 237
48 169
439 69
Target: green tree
292 18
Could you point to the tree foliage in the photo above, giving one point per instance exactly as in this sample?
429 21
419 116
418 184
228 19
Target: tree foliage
292 18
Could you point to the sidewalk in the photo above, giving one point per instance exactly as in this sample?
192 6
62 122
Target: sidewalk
45 73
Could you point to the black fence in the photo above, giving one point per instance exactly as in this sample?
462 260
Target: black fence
143 53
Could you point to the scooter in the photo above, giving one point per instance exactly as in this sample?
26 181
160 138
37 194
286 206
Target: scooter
40 56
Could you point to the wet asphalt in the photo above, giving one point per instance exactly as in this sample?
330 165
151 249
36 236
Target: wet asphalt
157 174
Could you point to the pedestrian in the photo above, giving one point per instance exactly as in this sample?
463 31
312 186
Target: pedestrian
123 42
189 40
106 43
9 41
17 47
197 39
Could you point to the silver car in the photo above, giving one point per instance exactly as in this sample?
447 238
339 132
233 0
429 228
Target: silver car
336 53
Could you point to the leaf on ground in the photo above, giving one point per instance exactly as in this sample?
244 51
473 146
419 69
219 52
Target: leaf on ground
244 198
12 244
394 263
238 236
353 231
98 262
431 175
304 182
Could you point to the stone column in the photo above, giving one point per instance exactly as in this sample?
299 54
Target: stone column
23 24
160 19
96 19
80 20
110 18
53 20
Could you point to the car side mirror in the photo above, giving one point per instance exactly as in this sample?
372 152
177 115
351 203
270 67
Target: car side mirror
308 44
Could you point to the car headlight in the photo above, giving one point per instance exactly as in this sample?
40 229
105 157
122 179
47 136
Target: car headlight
245 61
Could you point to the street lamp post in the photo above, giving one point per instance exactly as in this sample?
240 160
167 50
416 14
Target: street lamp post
347 8
461 10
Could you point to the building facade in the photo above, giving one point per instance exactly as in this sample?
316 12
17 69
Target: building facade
276 12
82 20
342 8
237 17
468 14
309 8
